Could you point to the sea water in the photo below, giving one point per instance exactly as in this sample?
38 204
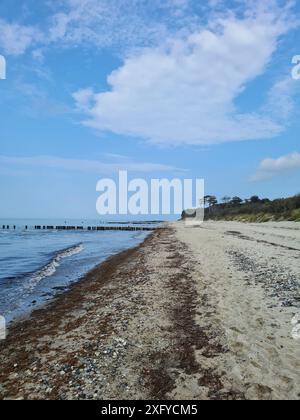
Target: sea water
35 265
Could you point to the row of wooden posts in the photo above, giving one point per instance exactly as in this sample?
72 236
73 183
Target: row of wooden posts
82 228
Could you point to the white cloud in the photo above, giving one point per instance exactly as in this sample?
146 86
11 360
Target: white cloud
101 23
184 68
87 166
184 91
281 99
15 39
129 23
269 168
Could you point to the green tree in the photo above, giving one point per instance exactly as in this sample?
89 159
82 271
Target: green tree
206 199
212 201
236 201
226 199
254 199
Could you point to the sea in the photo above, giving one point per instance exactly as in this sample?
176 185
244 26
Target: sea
37 265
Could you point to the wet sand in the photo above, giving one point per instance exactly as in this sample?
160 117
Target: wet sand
193 313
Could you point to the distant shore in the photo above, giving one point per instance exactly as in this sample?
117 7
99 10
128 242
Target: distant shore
192 313
257 218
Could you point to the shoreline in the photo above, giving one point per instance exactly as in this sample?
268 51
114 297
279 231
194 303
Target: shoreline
43 320
64 323
103 269
190 314
40 300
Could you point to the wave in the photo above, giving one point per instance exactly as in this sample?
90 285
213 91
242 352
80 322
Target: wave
49 269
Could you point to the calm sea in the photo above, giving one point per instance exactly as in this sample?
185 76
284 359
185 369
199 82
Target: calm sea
37 265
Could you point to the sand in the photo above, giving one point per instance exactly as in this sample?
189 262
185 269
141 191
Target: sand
193 313
250 274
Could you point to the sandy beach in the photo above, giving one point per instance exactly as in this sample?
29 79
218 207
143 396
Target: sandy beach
204 312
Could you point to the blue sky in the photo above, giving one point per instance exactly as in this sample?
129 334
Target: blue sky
180 88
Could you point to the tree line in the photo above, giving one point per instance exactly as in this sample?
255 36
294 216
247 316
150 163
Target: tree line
230 207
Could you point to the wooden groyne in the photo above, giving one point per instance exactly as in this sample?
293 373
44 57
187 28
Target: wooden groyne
83 228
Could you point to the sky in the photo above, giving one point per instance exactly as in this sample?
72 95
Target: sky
179 88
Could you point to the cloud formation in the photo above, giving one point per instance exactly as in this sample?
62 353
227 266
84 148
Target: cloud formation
185 66
15 39
106 23
85 166
120 24
270 168
184 91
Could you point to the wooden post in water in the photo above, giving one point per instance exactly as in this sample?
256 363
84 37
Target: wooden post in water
82 228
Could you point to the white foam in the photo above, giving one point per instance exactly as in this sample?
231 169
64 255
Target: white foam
51 268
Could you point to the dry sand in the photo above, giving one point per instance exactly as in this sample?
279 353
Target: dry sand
251 275
194 313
